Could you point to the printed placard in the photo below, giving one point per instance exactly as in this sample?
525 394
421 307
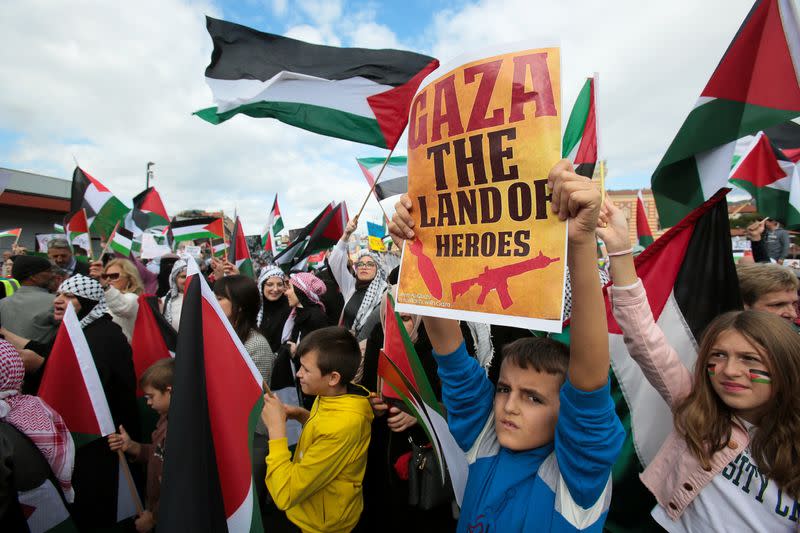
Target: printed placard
483 136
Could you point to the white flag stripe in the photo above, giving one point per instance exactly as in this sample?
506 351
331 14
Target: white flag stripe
651 417
89 372
349 95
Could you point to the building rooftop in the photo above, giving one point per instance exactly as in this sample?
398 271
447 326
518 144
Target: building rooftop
30 183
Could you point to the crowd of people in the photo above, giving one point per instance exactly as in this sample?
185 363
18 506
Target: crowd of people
535 417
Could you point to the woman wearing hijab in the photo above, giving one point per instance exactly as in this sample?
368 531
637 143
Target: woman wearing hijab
96 468
363 290
36 420
172 302
275 307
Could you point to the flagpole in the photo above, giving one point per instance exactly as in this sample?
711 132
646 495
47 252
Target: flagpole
131 486
16 241
374 183
224 235
602 182
108 242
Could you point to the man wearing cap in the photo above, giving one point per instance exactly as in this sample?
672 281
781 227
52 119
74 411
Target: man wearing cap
60 254
29 311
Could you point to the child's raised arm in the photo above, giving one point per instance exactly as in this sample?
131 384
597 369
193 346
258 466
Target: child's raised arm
577 199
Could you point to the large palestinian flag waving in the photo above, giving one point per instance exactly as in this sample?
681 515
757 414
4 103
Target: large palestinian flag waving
690 278
208 483
755 86
355 94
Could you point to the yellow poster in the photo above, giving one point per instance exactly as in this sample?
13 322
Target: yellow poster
483 135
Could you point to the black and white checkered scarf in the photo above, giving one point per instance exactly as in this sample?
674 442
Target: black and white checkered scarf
375 291
90 289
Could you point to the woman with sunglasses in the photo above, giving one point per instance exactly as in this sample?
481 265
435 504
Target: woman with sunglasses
362 289
123 285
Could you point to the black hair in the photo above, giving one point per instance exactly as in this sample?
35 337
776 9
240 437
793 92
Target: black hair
245 300
337 351
540 354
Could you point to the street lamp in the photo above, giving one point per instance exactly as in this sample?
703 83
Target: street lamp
149 173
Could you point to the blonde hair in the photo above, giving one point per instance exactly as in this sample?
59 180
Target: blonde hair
758 279
135 284
705 422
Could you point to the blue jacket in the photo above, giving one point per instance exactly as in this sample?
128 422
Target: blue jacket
562 486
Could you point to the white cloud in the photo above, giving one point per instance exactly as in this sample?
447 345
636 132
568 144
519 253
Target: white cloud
653 60
279 7
115 84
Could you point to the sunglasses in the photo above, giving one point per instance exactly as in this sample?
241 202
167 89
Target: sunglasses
361 264
114 276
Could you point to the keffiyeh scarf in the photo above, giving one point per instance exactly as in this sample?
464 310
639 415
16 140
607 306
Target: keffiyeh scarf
270 271
36 419
90 289
177 268
373 295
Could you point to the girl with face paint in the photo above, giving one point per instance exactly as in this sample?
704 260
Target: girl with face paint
731 462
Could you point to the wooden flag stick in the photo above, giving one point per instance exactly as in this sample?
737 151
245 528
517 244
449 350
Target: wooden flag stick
224 236
16 241
602 182
108 242
372 189
127 472
738 209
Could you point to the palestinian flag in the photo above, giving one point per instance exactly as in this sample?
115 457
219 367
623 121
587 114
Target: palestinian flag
772 179
45 510
122 241
690 279
354 94
15 232
71 385
394 178
398 348
219 247
580 136
643 233
403 377
197 228
103 209
293 253
77 229
148 212
272 229
216 401
240 253
755 86
153 337
328 231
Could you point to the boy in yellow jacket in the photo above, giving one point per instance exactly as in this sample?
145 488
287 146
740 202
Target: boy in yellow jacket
320 488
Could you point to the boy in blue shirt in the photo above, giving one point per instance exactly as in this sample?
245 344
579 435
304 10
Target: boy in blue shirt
541 445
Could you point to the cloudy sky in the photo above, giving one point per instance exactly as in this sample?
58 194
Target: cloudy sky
114 85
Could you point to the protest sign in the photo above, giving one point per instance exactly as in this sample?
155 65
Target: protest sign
483 136
151 249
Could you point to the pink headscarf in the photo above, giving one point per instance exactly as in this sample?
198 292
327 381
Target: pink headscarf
33 417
